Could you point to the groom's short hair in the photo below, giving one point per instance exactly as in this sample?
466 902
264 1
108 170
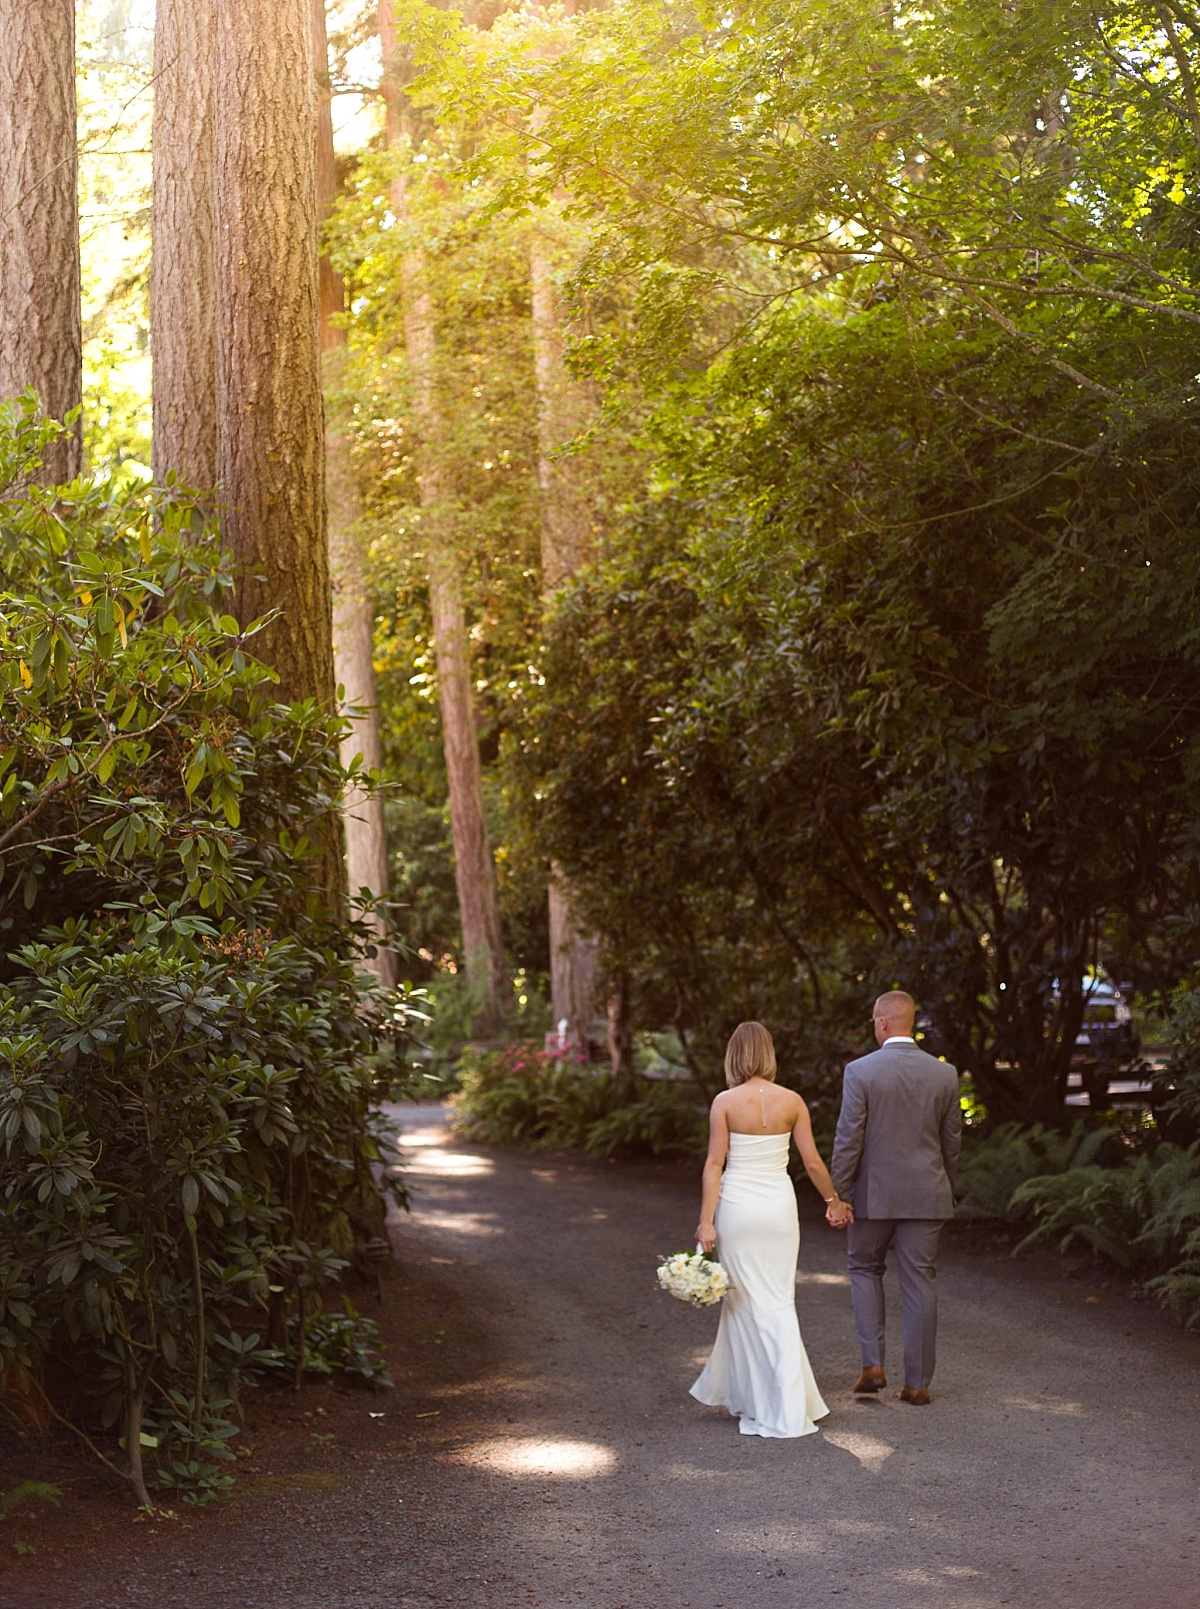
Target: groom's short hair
750 1053
895 1003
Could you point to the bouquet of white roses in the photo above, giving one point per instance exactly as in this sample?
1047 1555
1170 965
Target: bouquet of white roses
693 1276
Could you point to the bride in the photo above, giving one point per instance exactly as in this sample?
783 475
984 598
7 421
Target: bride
759 1369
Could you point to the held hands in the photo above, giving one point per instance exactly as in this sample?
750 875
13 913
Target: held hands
706 1237
839 1213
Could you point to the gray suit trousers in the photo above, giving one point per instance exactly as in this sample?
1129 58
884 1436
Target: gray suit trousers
916 1243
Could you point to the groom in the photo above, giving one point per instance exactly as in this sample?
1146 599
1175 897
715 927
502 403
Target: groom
894 1158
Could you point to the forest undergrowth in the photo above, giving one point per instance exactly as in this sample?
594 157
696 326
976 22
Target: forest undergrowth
522 1095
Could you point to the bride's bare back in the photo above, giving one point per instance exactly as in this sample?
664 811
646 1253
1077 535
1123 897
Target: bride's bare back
759 1107
754 1104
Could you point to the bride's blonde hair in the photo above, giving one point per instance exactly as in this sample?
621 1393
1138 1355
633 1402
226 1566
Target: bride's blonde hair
750 1053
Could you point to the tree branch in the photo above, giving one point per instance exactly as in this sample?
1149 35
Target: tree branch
71 780
871 897
1185 73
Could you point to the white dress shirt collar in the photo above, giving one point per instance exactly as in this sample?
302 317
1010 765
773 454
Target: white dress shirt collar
898 1039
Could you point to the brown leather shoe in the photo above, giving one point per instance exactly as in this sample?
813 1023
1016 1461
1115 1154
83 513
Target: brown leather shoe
871 1380
915 1396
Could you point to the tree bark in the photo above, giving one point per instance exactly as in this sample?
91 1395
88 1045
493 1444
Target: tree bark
474 869
353 616
183 246
620 1037
137 1383
563 409
270 448
331 296
566 533
41 335
573 957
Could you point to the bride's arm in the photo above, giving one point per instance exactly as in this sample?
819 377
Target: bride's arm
714 1166
838 1212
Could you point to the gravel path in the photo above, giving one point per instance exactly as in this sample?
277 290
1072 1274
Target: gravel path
541 1449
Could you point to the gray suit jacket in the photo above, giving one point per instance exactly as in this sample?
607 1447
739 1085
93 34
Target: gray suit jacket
898 1135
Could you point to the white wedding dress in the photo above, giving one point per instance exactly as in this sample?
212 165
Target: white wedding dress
759 1369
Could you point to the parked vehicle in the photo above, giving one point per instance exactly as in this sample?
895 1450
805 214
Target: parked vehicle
1107 1029
1107 1038
1107 1041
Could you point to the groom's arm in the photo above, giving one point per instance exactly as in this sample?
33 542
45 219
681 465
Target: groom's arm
951 1135
851 1130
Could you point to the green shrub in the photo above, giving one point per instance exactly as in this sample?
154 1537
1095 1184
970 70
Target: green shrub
453 1003
23 1493
993 1166
1177 1085
661 1122
1141 1212
524 1096
1144 1216
185 1042
1091 1204
348 1342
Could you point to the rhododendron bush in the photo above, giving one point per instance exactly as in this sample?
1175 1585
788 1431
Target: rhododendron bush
185 1092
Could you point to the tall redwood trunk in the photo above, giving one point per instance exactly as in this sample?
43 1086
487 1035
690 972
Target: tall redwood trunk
183 246
331 293
566 532
474 869
270 433
573 957
270 440
41 337
353 616
563 411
